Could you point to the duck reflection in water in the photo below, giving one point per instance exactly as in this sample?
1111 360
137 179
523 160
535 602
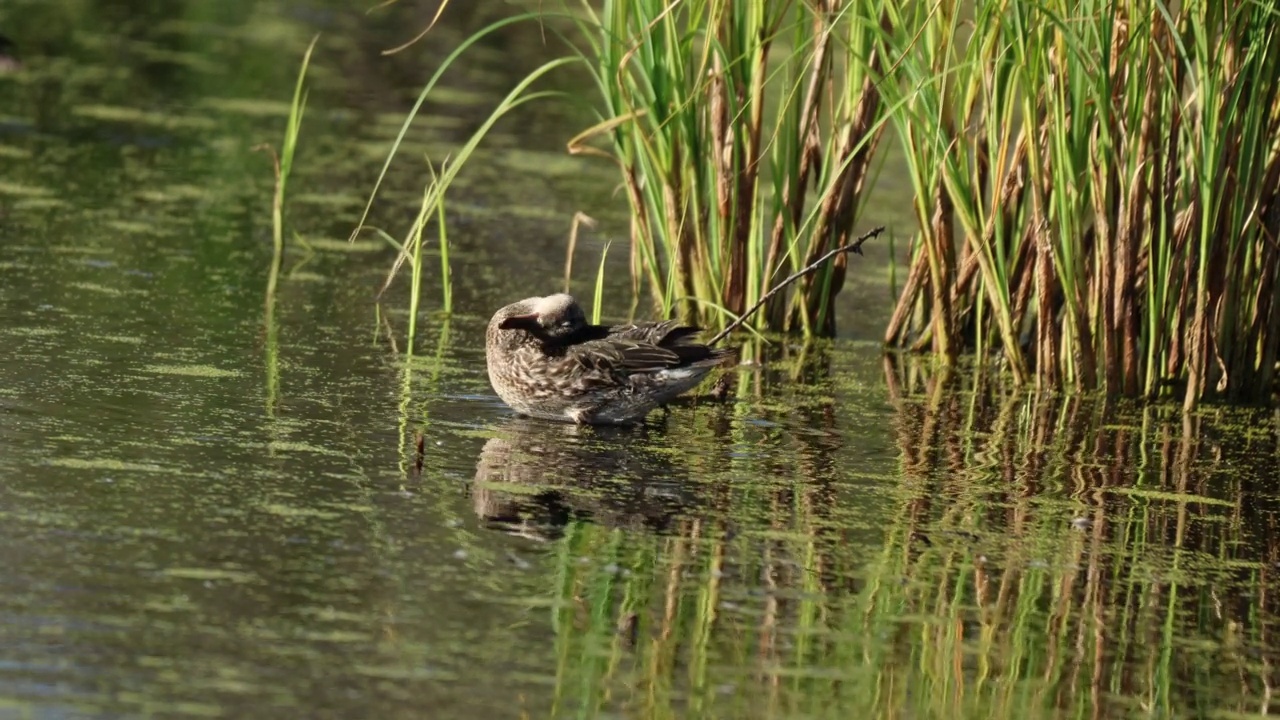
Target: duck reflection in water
535 477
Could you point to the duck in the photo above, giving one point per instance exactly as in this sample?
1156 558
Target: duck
546 361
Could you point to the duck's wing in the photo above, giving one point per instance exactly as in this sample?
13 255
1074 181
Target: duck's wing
663 333
653 333
599 356
618 360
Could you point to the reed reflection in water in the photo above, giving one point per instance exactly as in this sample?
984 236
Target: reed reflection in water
1037 557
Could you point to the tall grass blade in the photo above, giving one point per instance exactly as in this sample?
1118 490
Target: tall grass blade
287 150
598 301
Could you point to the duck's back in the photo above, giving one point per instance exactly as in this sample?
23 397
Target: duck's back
618 373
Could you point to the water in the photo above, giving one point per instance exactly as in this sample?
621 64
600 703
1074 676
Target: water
211 504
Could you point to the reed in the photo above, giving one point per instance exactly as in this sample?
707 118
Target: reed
598 300
1096 191
283 166
743 134
1095 184
433 203
284 161
432 207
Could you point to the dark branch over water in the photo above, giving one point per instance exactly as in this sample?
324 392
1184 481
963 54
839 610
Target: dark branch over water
853 247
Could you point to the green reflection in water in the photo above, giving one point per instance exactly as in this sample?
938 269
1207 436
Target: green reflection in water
1027 558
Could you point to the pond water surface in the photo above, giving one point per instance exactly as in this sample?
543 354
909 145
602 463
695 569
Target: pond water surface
211 504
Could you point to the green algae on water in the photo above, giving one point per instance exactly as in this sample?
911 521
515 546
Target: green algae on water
286 446
135 116
203 371
106 464
210 574
294 511
343 246
253 107
24 191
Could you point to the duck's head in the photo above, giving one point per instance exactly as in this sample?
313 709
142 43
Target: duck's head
547 318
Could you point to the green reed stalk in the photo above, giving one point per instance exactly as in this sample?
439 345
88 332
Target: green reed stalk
287 150
283 167
599 295
738 163
414 250
446 277
271 343
433 202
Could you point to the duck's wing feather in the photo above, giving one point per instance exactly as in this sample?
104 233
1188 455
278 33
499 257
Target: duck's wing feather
618 362
600 356
621 357
663 333
672 336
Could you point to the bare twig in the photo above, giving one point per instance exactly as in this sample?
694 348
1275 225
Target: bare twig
434 20
579 219
855 247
